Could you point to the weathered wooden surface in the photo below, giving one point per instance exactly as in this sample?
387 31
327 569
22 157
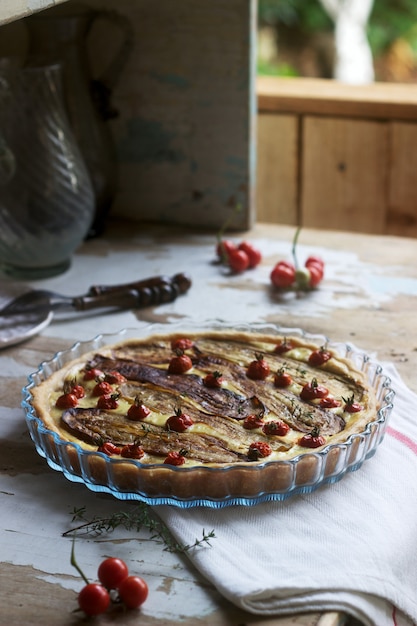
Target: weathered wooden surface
11 10
368 297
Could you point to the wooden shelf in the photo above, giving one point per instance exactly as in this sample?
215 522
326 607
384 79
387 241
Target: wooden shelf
384 101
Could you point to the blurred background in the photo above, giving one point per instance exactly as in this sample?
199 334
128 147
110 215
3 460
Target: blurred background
301 38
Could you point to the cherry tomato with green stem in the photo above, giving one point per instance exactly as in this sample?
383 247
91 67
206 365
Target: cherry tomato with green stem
312 440
174 458
108 401
94 599
138 411
258 369
179 422
132 451
213 380
313 391
180 363
351 406
284 346
319 357
276 428
282 379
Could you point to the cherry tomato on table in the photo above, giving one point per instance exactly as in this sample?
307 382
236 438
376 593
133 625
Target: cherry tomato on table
94 599
238 261
112 572
223 249
314 260
254 255
283 275
316 275
133 591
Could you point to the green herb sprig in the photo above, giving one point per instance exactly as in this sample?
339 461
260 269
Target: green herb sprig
140 517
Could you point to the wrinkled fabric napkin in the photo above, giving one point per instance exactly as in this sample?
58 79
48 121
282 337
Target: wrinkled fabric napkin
350 546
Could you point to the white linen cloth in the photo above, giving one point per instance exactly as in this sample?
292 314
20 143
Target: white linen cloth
350 546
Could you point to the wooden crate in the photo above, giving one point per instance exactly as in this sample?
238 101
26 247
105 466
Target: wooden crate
356 155
277 149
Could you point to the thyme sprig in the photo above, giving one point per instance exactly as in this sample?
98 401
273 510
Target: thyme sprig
135 520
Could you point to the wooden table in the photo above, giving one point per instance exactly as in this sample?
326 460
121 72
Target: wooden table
368 297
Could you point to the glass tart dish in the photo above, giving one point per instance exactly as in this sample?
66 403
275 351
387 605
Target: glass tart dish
207 414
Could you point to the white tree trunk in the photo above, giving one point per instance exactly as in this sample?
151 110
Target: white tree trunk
354 63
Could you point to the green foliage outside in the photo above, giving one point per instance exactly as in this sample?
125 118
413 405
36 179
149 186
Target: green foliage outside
390 20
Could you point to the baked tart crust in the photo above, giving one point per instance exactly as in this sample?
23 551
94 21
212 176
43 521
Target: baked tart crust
250 415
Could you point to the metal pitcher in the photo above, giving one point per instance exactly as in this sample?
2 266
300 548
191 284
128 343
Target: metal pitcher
61 35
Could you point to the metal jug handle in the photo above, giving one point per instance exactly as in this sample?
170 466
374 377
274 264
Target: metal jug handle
104 84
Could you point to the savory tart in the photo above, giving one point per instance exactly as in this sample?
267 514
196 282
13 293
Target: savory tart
205 400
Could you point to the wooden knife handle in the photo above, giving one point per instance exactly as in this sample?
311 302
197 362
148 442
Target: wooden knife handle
181 279
144 293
